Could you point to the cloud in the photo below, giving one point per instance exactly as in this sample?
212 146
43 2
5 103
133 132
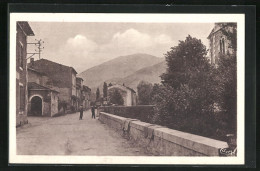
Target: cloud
163 39
78 51
80 42
133 41
130 38
82 52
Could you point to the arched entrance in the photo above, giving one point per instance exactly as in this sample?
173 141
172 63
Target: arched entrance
36 106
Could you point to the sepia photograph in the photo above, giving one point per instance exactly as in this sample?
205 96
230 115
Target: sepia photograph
126 88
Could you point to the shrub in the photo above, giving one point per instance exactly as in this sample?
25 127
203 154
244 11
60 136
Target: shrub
144 113
144 90
72 108
116 98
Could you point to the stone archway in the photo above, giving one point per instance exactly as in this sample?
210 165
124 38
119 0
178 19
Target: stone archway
36 106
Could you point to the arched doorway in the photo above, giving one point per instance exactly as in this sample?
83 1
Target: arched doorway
36 106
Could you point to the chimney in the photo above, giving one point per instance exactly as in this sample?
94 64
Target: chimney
32 62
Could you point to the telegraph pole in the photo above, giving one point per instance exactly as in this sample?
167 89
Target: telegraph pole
39 48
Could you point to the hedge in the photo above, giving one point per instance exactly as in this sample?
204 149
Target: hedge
144 113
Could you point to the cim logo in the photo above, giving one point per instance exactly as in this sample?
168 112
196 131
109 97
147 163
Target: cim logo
227 152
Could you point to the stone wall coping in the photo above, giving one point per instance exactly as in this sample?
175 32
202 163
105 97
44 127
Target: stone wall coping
197 143
204 145
139 125
114 117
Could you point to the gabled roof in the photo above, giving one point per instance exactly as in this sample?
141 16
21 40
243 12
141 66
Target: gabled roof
216 28
86 88
48 61
123 86
35 86
26 28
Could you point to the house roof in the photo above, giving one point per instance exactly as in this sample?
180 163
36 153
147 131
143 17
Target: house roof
26 28
214 30
46 60
86 88
35 86
123 86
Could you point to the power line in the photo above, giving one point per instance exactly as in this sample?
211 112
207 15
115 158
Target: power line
38 49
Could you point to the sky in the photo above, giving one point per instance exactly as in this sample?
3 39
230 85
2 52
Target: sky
83 45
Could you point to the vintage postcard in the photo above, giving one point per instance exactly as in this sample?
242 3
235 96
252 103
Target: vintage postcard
103 88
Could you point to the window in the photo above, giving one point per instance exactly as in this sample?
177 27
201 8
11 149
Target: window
22 98
220 45
223 44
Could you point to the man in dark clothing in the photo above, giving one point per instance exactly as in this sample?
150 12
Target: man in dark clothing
80 112
93 112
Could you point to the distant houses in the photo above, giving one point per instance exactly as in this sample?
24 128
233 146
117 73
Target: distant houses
58 78
82 94
23 30
44 87
86 96
128 94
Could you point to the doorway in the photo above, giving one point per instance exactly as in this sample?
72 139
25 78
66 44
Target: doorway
36 106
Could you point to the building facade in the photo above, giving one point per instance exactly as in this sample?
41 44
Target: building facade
218 43
42 100
23 30
86 94
79 90
128 94
63 80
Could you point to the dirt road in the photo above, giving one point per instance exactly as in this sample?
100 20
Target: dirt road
67 135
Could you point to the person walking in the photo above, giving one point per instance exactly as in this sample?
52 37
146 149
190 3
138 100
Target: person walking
93 112
80 112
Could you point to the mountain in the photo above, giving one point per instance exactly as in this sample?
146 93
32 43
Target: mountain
150 74
117 69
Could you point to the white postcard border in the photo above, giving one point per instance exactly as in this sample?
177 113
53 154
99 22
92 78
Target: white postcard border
141 18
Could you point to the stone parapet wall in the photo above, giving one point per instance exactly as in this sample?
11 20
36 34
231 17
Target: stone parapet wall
159 140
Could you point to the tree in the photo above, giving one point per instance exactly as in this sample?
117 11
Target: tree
105 90
116 97
97 94
185 60
185 100
144 90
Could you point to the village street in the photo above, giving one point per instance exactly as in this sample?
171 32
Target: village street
67 135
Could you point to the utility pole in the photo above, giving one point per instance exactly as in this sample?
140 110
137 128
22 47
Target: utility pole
38 49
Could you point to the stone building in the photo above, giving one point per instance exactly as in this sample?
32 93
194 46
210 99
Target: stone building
23 30
63 80
82 94
42 100
79 89
218 43
128 94
86 94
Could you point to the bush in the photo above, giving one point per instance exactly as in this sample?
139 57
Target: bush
72 108
62 104
116 98
144 113
144 90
